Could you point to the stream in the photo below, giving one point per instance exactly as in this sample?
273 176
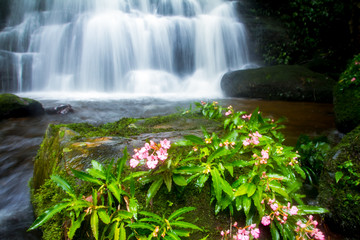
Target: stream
20 140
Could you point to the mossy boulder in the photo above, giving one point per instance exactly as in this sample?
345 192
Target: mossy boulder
342 198
14 106
282 82
75 145
346 108
347 97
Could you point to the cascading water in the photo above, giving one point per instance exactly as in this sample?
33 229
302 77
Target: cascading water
121 46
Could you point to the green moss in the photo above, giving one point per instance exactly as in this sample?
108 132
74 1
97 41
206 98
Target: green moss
343 198
347 97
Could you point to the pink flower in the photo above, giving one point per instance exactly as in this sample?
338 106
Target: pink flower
265 154
255 232
353 79
152 162
274 206
265 220
293 210
165 144
246 116
203 103
246 142
228 113
147 146
257 134
162 154
134 163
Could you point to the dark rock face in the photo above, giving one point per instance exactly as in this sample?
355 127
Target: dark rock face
14 106
282 82
342 199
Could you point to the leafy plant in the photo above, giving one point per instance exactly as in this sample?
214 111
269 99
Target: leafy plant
157 227
104 203
312 155
161 168
351 76
247 167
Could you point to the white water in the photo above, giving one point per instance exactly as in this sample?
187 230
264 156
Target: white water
150 47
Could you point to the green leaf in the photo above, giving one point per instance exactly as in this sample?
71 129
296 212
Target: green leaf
216 183
64 185
142 226
276 187
274 232
154 188
96 173
43 218
182 224
190 170
338 176
75 225
179 180
181 232
226 187
115 190
168 180
98 166
300 171
135 175
94 222
200 182
195 139
104 216
307 209
86 177
122 232
173 235
246 204
121 163
241 190
251 188
180 212
220 152
241 163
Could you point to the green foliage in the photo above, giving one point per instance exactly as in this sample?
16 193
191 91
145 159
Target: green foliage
152 226
249 171
350 78
312 155
314 28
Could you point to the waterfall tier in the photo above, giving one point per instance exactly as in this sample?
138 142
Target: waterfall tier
125 46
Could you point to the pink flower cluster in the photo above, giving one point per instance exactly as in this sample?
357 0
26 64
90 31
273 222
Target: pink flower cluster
243 233
279 212
309 230
230 111
254 139
264 157
150 154
246 116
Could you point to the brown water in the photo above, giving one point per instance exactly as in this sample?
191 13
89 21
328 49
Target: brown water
20 139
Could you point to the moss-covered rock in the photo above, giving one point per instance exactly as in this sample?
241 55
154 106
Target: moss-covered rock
347 97
282 82
14 106
343 198
76 145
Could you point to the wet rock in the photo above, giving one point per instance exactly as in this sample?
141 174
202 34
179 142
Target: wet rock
61 109
282 82
342 198
14 106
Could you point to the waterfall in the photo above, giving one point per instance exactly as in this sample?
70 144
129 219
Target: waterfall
121 46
